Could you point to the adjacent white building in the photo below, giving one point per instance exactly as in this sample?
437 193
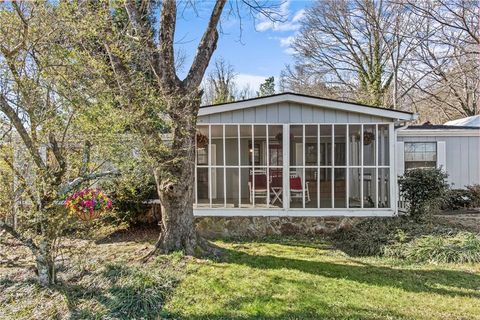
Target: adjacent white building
455 147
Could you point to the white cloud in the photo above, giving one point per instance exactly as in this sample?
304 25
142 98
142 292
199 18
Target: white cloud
290 51
253 81
290 23
287 41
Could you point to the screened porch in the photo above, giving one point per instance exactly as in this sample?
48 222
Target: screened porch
315 167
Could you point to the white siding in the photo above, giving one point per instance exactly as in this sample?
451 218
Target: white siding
462 157
289 112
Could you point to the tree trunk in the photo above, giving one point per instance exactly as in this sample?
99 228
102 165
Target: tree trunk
175 183
45 264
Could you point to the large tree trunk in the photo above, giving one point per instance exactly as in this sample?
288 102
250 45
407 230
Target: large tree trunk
175 182
45 263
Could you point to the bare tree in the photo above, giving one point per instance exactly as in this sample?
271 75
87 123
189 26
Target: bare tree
447 62
220 84
358 47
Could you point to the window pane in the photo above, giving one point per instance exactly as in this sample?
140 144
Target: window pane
325 145
202 145
275 137
217 145
354 188
420 154
258 187
383 188
339 150
311 196
369 187
245 145
231 145
296 145
325 188
232 188
202 187
276 187
369 145
217 188
340 194
260 151
246 188
354 144
383 145
297 188
311 145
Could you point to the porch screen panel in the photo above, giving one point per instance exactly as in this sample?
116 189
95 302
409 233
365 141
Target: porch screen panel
326 165
383 145
369 187
275 165
369 145
354 199
218 187
384 188
232 187
231 145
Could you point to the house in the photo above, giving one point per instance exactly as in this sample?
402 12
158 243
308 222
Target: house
296 155
454 146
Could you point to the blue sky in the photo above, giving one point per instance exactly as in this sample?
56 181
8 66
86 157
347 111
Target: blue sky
259 51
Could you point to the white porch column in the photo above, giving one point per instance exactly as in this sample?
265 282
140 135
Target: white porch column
286 166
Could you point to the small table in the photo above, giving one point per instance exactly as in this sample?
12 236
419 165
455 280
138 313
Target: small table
277 194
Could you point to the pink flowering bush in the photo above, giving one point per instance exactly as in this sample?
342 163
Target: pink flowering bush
88 204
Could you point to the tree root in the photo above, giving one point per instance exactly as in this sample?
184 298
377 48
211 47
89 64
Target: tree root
200 248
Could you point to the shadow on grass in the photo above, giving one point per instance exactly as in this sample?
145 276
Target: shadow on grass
320 311
428 281
138 233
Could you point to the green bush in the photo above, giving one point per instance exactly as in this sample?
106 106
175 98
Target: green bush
463 247
422 188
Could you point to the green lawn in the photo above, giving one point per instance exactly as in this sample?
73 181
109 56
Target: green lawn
294 279
269 279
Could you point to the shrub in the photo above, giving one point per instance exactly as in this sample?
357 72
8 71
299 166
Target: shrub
474 195
457 198
463 247
422 188
372 236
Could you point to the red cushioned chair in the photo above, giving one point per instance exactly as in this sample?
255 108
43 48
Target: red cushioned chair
259 190
297 190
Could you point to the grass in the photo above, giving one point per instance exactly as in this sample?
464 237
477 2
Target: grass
282 278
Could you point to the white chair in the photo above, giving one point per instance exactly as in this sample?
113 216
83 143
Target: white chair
259 188
298 189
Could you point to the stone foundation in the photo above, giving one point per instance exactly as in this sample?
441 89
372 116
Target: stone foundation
252 227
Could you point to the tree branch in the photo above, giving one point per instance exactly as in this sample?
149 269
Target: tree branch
168 76
17 123
78 181
207 46
24 240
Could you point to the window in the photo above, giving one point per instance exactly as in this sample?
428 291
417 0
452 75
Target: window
420 155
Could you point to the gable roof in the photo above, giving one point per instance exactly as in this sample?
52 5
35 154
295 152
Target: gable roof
307 100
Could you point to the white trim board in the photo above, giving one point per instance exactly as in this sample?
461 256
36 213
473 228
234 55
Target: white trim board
312 101
222 212
439 133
